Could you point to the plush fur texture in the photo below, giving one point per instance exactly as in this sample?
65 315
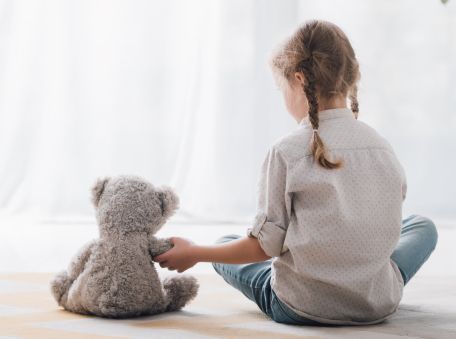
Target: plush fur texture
115 276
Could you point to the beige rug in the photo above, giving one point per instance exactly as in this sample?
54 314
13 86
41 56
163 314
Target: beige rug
27 310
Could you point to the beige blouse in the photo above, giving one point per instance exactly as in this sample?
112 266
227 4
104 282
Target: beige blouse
332 232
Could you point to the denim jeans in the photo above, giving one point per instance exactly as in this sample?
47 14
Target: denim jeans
417 241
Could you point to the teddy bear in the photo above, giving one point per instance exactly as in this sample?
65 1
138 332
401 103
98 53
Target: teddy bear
114 276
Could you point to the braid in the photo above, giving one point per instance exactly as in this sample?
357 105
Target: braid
321 52
311 94
354 101
318 148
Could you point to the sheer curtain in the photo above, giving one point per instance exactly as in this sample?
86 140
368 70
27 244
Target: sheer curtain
179 92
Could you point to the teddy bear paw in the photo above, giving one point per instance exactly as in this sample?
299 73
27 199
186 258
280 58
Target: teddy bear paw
60 286
179 291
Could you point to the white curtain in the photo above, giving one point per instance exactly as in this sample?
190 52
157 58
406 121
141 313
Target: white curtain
179 92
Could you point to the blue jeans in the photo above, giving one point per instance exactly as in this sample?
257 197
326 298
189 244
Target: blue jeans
417 241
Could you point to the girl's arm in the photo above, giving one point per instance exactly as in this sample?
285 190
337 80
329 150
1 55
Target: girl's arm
186 254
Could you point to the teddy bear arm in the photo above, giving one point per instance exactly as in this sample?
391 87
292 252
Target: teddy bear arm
158 246
79 260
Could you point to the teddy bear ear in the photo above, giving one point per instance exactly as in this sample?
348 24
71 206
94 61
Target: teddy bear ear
97 190
170 201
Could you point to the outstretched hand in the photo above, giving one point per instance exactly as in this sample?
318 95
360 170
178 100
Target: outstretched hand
186 254
180 257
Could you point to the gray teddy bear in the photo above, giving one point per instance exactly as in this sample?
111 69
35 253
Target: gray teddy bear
115 276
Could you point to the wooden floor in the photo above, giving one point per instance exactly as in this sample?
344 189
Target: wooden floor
28 252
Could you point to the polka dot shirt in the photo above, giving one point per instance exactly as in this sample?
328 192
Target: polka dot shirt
332 232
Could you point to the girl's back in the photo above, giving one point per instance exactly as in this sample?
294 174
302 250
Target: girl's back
343 224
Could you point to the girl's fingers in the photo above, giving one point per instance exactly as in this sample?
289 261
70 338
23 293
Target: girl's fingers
171 269
160 258
163 264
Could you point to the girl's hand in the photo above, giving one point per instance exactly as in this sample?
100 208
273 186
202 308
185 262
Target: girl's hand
180 257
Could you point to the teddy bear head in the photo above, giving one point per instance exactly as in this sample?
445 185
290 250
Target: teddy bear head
129 204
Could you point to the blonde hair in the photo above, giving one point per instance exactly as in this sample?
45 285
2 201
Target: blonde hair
321 51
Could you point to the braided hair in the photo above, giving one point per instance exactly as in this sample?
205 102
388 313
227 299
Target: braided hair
318 148
354 100
323 54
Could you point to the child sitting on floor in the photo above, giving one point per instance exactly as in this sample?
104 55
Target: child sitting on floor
329 206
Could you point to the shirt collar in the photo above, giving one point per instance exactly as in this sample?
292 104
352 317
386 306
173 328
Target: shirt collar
327 114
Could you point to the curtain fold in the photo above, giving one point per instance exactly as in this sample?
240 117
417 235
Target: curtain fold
180 93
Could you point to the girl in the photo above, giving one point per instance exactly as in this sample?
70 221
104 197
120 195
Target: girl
329 205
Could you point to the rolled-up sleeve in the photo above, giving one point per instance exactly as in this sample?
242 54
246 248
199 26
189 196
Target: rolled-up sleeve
274 205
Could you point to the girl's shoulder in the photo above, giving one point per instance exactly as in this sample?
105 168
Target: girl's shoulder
352 135
294 145
372 138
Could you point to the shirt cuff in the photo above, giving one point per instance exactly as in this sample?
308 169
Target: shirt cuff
269 235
